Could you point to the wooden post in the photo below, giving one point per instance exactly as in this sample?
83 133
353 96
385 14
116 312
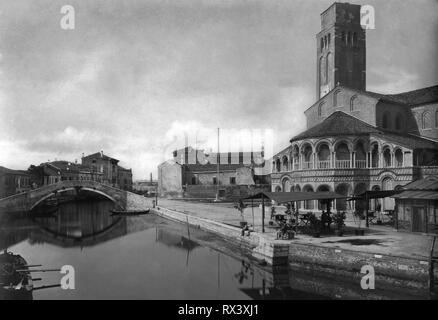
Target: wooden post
263 213
367 208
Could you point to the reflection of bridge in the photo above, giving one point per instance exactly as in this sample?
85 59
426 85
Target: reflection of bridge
27 200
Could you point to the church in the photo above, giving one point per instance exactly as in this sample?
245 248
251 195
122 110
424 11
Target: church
357 140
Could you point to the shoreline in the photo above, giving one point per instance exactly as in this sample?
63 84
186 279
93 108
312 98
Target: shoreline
410 272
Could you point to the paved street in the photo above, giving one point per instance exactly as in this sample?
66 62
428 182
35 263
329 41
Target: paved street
377 239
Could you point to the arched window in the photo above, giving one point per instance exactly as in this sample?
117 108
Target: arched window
399 122
320 109
321 70
328 38
348 38
335 98
354 39
327 67
352 102
385 121
322 44
425 122
343 37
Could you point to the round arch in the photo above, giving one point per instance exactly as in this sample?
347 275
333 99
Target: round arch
345 190
60 190
308 204
322 188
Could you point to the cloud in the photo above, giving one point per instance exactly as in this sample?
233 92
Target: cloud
391 80
133 77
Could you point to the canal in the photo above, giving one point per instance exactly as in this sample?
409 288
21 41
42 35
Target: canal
147 257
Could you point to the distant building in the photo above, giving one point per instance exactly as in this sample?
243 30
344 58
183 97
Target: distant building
112 174
124 178
191 173
56 171
146 187
13 181
417 207
104 164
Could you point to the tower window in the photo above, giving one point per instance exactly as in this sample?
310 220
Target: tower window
343 37
348 38
322 44
327 67
354 39
385 121
335 98
320 111
352 102
328 38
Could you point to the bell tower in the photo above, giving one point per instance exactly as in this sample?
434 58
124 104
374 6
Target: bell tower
341 49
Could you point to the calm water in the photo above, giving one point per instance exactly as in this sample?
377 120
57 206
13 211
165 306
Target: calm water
147 257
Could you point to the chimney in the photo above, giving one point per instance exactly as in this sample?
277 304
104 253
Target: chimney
151 176
101 153
76 161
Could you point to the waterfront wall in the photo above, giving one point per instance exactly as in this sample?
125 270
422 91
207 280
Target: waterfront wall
274 252
390 270
393 270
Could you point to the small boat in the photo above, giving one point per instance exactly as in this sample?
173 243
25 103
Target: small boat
130 212
15 282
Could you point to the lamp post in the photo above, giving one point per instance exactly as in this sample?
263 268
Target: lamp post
217 167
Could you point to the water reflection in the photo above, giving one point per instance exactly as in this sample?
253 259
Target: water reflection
147 257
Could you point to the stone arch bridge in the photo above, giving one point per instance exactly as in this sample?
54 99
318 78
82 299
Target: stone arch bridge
25 201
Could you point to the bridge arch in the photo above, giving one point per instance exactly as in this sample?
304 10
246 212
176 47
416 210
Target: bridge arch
63 189
28 200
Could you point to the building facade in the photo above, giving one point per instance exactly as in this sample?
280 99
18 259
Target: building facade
124 178
56 171
99 162
13 181
192 173
108 167
357 140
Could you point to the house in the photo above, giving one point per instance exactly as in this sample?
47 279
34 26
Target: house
56 171
13 181
195 174
417 207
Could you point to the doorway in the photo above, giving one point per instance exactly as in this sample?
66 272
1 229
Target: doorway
418 224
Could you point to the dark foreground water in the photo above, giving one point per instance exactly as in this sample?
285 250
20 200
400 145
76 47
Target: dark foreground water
147 257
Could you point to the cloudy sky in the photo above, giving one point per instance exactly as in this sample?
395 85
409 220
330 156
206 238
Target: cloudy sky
133 76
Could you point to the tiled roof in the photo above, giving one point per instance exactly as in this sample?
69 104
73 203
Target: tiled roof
412 98
11 171
422 184
100 155
341 124
338 123
68 166
425 189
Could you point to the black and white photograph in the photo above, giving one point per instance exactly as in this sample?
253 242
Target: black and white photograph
216 154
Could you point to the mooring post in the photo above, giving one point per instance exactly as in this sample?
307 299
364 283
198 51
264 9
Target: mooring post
263 213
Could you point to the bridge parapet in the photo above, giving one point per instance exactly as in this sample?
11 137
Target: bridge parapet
27 200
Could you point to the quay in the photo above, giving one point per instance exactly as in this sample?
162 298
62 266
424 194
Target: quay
398 258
